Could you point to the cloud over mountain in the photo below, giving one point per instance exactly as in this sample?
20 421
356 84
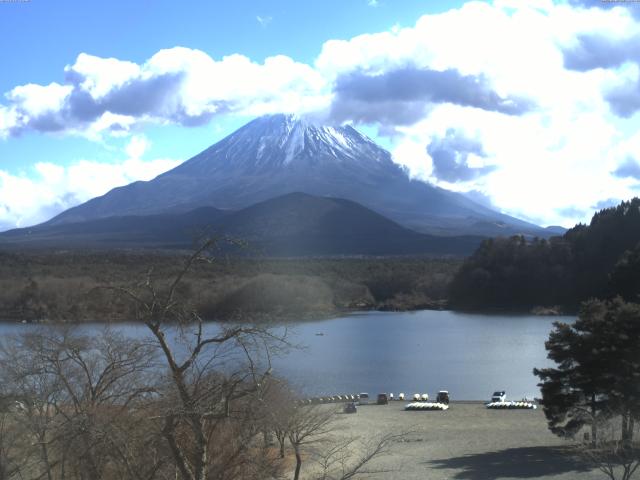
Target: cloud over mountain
452 155
631 7
401 96
53 188
599 51
541 86
628 169
177 85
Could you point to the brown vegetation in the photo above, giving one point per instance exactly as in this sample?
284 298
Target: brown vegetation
64 286
184 402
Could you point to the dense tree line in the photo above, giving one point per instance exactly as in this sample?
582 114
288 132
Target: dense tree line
600 260
63 286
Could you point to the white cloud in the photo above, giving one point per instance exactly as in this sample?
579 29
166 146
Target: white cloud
7 121
116 125
35 99
176 85
557 154
548 130
137 146
263 20
28 200
98 76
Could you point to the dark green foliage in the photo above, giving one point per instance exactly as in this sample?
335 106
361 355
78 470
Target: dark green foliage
291 225
600 260
598 369
512 273
625 278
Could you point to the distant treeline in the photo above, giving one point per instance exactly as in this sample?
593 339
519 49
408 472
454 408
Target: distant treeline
601 260
69 286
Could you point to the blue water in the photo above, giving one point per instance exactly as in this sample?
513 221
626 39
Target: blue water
470 355
421 352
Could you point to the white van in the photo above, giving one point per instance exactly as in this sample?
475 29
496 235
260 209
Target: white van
363 399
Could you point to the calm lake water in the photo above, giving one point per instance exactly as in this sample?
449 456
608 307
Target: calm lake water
415 352
412 352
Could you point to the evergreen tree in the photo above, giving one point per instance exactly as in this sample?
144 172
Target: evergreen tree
599 260
625 277
598 369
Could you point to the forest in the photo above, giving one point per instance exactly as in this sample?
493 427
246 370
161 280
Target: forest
599 260
72 286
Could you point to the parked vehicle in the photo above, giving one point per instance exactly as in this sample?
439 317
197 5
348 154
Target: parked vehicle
499 396
416 397
424 397
350 407
363 398
401 396
382 399
443 397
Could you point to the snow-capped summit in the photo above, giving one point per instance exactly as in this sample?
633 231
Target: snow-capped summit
279 140
279 154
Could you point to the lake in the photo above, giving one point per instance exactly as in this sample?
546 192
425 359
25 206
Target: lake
470 355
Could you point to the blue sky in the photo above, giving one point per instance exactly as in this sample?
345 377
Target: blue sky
45 36
487 97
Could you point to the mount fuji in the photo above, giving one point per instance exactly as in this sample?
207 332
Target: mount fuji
280 154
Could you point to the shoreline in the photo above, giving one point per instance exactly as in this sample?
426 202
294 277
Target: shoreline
305 317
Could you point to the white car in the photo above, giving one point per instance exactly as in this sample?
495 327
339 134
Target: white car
499 396
363 399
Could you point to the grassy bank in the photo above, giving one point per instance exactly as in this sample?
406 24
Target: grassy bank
68 286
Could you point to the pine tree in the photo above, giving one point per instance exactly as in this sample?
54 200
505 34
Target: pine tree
598 369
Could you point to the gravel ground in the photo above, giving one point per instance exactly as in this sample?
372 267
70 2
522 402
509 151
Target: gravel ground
468 442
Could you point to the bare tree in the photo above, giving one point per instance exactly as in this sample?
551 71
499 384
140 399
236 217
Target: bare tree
34 394
312 431
350 457
277 406
13 451
614 453
190 400
211 372
79 398
308 427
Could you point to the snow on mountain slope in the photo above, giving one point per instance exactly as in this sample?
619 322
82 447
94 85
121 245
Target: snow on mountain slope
279 154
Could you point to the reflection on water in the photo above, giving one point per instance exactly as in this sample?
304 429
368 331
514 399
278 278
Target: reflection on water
469 355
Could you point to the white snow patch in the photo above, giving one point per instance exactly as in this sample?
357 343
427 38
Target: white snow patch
294 143
339 137
261 148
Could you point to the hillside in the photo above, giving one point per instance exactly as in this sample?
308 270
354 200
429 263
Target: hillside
279 154
295 224
601 260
